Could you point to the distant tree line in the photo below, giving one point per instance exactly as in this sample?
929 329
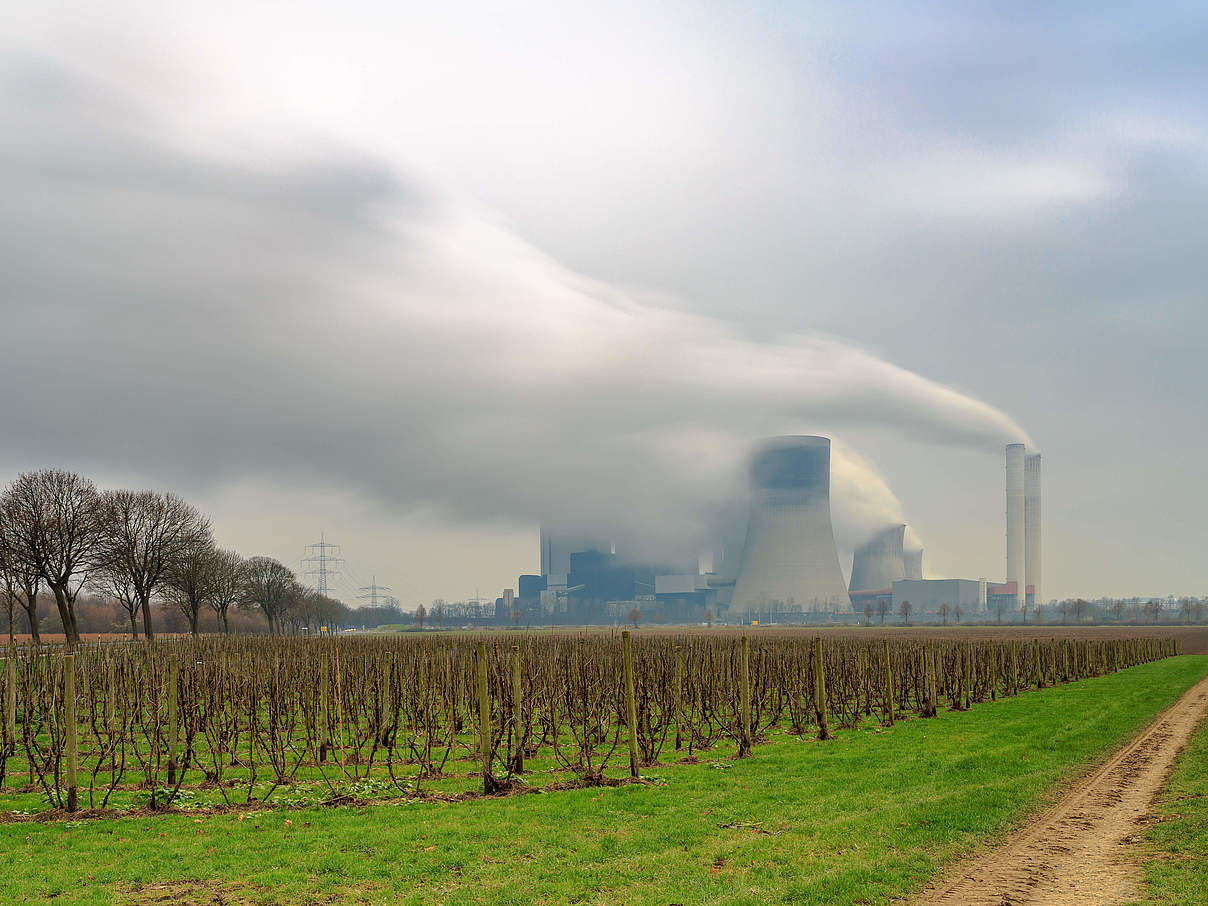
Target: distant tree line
74 558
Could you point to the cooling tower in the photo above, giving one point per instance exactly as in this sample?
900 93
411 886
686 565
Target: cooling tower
913 560
879 562
1031 523
790 561
1015 542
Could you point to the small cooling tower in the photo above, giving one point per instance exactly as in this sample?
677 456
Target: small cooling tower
879 562
790 561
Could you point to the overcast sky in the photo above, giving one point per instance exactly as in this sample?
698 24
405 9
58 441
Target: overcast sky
418 278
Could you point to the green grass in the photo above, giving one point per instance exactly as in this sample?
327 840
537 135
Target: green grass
863 818
1176 870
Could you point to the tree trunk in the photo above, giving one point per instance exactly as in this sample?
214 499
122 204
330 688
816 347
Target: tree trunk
148 632
67 615
133 626
31 612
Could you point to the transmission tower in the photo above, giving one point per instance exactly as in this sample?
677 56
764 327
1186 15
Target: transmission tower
321 563
373 593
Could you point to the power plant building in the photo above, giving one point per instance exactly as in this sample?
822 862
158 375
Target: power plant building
880 562
1015 533
1031 526
1023 524
927 596
790 562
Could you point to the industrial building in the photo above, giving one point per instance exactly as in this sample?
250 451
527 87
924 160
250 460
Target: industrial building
880 562
790 563
787 569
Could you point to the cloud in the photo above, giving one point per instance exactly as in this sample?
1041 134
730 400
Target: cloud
204 313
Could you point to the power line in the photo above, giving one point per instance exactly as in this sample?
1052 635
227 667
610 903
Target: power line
321 563
375 594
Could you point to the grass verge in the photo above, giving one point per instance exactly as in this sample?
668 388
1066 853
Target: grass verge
1176 864
861 819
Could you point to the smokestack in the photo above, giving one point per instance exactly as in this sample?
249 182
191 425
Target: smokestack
790 560
1015 533
1031 523
879 562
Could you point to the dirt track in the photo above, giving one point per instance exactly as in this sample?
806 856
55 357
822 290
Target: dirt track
1077 852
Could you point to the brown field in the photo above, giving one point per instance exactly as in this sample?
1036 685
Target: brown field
1192 639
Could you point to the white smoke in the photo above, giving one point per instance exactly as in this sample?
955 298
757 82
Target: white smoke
213 315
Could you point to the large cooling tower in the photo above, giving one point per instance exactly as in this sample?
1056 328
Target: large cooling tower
790 561
1015 541
913 561
879 562
1031 523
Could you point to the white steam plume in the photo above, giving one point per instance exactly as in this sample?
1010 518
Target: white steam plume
205 316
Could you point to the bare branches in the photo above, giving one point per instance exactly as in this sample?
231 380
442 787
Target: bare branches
56 528
148 538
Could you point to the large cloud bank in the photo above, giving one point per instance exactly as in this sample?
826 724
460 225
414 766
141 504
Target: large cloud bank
205 311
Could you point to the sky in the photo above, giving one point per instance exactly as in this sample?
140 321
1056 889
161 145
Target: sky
419 277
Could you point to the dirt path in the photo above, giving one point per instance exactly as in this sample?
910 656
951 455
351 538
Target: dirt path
1077 852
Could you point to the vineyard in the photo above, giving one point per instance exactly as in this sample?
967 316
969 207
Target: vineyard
215 722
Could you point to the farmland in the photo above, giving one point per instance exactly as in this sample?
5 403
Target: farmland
220 722
868 815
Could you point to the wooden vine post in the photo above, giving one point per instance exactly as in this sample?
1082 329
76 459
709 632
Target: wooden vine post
387 704
173 717
888 682
1039 671
1014 669
820 690
323 716
10 698
679 696
484 721
631 717
69 719
517 712
929 709
993 655
744 701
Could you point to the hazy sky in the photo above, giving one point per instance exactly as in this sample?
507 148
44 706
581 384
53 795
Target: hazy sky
415 277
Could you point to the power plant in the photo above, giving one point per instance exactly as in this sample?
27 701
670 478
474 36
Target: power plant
790 562
787 570
1015 526
881 562
1031 527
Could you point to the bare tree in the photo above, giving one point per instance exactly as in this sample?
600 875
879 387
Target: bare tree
148 537
882 610
117 585
904 610
421 614
57 528
269 585
635 616
22 582
944 611
227 584
190 583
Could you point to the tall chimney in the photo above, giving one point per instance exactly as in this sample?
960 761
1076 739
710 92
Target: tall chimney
1015 532
1031 523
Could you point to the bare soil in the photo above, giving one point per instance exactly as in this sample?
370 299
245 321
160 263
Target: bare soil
1080 850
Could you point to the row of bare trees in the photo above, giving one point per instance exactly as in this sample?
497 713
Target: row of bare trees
58 531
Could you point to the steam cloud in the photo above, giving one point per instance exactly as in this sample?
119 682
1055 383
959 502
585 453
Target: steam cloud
208 313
